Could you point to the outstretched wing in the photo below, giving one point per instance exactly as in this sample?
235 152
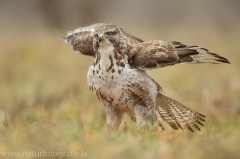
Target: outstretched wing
157 53
81 39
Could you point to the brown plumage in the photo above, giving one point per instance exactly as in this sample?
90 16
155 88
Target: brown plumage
156 53
119 80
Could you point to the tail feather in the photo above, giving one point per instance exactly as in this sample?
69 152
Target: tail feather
167 116
175 113
195 54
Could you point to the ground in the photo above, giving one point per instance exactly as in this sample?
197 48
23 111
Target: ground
45 105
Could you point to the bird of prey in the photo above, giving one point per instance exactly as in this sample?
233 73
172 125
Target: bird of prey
118 75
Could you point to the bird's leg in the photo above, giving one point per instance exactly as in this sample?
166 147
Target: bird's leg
145 116
114 117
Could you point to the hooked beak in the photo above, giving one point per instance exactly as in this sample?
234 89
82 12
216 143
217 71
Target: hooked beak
100 37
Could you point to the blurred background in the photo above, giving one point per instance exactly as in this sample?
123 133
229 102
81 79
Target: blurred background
45 103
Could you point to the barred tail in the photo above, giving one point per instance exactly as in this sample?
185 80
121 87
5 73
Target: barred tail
175 114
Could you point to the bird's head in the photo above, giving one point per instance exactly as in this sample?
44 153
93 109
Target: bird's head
108 35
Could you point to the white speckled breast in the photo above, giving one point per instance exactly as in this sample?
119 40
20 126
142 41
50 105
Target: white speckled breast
118 85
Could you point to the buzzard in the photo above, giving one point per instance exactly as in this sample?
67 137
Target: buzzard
119 80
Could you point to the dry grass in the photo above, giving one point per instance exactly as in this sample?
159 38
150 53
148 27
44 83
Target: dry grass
45 104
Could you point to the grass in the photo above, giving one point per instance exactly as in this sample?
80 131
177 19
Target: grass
45 105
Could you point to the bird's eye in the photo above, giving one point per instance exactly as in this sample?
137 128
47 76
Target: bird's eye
109 33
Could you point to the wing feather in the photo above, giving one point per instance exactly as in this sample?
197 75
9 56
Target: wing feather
152 54
157 53
81 39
